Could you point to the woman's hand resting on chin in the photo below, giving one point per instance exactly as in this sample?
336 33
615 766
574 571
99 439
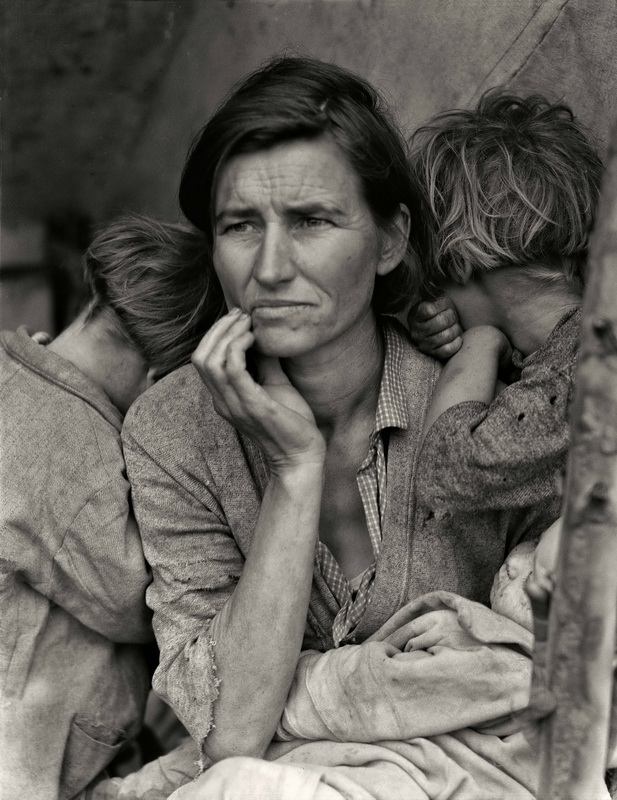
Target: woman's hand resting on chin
270 411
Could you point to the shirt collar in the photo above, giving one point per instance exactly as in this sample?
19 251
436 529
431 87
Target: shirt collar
391 404
57 370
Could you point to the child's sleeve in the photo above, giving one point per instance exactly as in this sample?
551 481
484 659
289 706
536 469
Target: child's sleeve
507 455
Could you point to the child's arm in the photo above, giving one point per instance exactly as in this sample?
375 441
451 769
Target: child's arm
471 373
509 453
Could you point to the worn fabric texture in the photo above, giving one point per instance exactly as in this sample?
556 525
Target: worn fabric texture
197 486
73 673
512 453
439 664
429 707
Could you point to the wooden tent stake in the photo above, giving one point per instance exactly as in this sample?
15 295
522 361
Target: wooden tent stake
583 614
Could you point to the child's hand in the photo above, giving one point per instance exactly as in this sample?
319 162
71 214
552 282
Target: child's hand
541 583
540 587
434 328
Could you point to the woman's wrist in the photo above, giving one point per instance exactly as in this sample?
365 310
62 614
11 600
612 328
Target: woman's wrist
299 471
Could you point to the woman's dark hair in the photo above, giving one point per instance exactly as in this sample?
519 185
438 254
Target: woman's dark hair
151 281
303 98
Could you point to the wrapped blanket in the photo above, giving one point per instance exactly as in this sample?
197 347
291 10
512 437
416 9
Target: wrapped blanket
429 707
440 664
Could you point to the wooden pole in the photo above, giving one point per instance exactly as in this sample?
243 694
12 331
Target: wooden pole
583 613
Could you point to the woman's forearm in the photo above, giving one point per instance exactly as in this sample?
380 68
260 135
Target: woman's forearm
259 632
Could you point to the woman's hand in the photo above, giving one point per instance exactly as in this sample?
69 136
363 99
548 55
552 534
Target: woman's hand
434 328
271 412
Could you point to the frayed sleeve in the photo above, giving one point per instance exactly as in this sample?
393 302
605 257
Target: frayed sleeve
195 567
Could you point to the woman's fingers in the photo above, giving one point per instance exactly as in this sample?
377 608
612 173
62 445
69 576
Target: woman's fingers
270 371
217 334
211 353
273 413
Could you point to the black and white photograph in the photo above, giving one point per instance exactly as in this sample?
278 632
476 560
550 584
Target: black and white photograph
308 400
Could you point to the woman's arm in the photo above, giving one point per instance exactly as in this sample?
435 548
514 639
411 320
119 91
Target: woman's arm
230 632
260 629
259 632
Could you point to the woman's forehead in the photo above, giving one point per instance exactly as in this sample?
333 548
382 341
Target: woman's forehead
296 172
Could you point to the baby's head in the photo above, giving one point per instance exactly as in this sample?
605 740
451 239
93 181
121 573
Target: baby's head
511 183
527 561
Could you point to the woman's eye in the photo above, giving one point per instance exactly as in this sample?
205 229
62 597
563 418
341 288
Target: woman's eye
237 227
314 222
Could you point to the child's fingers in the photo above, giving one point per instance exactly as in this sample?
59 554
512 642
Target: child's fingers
540 598
444 336
441 321
429 308
446 351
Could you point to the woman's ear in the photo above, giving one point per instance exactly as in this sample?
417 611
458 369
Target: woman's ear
394 241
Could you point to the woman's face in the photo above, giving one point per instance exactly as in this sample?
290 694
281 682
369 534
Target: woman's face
296 246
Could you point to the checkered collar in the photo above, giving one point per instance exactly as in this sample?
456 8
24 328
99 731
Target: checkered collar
391 404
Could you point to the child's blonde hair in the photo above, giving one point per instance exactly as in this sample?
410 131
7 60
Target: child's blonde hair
156 280
514 182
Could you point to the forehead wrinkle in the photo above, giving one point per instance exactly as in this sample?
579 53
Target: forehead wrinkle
274 177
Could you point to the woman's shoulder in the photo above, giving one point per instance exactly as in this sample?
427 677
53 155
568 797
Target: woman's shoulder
181 394
175 415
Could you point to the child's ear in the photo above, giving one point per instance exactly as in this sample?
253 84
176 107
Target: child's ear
468 275
152 376
394 241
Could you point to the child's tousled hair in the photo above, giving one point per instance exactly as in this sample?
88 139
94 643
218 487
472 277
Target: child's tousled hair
152 280
514 182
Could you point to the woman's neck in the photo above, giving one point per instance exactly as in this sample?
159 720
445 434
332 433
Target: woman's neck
341 382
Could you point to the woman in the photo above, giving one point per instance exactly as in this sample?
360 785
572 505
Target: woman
272 485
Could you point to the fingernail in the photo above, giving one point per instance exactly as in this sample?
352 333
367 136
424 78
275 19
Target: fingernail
235 311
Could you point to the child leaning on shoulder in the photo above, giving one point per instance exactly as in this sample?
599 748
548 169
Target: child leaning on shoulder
512 189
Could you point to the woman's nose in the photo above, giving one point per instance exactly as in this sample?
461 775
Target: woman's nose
274 259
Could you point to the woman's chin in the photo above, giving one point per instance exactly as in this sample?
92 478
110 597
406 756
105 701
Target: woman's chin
280 343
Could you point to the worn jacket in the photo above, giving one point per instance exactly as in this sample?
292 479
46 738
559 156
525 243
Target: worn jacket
197 487
73 674
512 453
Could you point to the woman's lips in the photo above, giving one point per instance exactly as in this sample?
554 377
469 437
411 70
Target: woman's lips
277 310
